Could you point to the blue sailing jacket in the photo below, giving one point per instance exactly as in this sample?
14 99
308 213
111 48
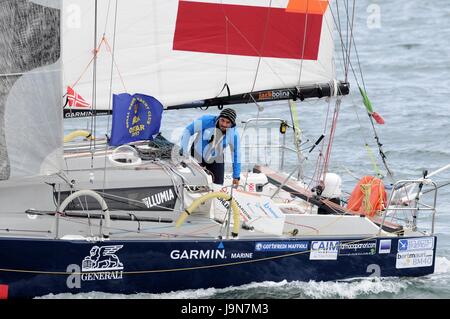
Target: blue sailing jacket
206 126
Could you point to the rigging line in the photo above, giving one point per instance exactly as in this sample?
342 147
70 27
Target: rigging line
347 38
94 88
172 175
320 158
362 132
374 161
359 66
259 108
107 17
110 91
96 51
347 31
345 48
89 215
262 44
257 52
304 43
332 134
330 29
351 36
304 39
339 29
297 137
362 78
227 20
356 51
345 52
380 150
115 63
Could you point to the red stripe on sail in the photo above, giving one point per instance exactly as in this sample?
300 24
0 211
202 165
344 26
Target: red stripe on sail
202 27
3 292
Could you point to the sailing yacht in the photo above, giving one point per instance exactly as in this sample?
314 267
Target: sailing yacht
81 217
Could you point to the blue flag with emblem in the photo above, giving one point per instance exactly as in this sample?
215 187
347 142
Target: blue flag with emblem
135 117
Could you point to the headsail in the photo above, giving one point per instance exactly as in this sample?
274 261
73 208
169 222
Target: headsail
182 51
30 85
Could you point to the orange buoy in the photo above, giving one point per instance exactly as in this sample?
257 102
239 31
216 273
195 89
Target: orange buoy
368 196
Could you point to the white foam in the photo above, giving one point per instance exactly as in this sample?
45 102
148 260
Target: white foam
353 289
315 290
442 265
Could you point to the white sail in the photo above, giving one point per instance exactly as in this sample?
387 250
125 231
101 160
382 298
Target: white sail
31 142
180 51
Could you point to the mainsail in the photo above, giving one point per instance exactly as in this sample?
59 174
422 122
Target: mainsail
182 51
30 86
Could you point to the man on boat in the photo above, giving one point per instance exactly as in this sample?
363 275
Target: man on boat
214 133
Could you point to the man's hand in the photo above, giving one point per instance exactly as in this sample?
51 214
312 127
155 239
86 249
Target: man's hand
235 182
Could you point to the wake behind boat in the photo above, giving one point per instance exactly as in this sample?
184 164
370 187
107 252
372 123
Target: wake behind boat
92 216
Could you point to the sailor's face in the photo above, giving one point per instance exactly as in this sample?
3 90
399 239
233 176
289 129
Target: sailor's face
224 124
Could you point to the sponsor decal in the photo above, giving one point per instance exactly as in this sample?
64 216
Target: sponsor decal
159 199
273 95
102 264
75 114
351 248
415 244
198 254
324 250
267 207
385 246
241 255
282 246
414 259
242 211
